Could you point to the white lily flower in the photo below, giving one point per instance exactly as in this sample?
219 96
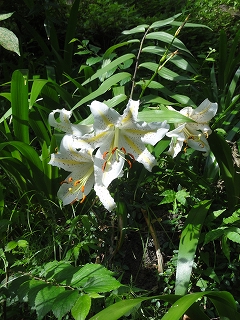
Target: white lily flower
121 138
59 119
75 155
194 134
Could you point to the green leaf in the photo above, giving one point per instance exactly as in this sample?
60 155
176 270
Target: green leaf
167 38
138 29
11 245
9 40
81 308
169 196
45 299
233 235
64 302
161 115
162 23
188 245
19 96
5 16
214 234
106 85
22 243
113 64
37 86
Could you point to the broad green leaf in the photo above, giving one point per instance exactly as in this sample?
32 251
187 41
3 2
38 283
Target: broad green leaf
138 29
181 196
169 196
64 302
233 235
22 243
214 234
19 97
100 284
106 85
6 115
233 218
5 16
9 40
45 299
11 245
161 115
113 64
188 245
81 308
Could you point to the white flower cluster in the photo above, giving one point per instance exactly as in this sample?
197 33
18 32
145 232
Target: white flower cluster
95 154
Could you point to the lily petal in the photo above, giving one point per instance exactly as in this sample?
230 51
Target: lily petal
105 197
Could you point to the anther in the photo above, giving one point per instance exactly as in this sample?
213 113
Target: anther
114 149
104 165
83 198
123 150
75 200
62 182
82 189
105 154
76 182
130 163
70 179
132 156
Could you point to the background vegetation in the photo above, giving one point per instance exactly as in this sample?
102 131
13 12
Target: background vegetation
80 254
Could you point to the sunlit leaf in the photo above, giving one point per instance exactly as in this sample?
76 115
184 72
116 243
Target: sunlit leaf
81 308
9 40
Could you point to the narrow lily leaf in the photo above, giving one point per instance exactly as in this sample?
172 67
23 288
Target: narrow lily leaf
19 97
81 308
9 40
37 86
118 45
163 72
138 29
168 38
70 32
161 115
6 115
106 85
188 245
162 23
109 67
190 25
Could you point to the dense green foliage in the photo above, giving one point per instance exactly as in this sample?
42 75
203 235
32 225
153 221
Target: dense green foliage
80 261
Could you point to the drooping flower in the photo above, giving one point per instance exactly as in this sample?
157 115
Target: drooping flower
76 157
193 134
120 139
